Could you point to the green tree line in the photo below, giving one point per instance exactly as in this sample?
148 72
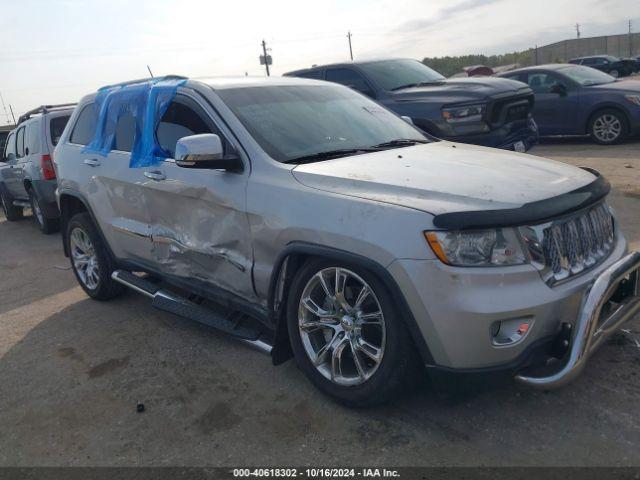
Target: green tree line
448 65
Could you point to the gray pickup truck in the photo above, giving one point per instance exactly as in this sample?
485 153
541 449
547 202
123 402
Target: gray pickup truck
307 220
27 176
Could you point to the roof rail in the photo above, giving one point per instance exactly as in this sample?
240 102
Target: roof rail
142 80
42 109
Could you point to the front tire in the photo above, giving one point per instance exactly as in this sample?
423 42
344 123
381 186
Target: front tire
91 262
346 334
11 212
608 127
46 225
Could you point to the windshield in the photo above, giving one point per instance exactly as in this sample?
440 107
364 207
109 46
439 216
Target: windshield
397 74
297 120
587 76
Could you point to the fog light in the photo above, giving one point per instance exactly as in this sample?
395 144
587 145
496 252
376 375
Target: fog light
510 332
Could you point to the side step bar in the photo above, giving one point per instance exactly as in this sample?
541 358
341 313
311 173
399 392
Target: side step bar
173 303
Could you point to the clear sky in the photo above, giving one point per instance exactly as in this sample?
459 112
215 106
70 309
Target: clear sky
55 51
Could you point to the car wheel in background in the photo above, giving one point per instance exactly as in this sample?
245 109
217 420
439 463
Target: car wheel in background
346 334
91 262
11 212
45 225
608 126
614 73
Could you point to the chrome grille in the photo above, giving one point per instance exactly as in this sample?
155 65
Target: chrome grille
575 244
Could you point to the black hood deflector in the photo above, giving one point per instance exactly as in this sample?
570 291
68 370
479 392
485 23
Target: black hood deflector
530 213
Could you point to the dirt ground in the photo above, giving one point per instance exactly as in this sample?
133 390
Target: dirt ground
72 371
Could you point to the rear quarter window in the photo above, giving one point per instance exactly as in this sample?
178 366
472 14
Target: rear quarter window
85 126
56 127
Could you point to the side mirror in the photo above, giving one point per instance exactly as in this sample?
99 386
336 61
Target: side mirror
558 88
205 151
407 119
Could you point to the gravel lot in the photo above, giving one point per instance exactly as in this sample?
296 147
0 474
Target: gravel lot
72 371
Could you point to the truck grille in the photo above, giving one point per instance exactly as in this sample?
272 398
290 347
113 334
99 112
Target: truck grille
578 243
510 109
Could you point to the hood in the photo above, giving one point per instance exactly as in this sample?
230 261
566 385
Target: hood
444 177
621 86
463 90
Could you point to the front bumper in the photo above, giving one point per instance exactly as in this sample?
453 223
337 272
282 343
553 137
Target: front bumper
593 327
456 308
504 137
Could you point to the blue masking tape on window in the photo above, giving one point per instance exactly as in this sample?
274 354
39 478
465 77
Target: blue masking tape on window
146 102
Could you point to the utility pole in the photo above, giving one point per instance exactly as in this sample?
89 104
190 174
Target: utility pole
630 41
350 49
14 118
5 109
266 58
150 72
578 30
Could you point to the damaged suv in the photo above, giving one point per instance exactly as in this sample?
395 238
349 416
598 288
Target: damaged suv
307 220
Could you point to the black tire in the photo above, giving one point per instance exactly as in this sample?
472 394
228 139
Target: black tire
46 225
11 212
397 371
608 115
106 287
615 73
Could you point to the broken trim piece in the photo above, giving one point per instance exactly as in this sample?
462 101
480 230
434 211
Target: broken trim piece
530 213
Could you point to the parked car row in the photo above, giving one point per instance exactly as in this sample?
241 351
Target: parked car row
312 222
562 99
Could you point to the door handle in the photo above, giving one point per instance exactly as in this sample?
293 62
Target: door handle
92 162
157 176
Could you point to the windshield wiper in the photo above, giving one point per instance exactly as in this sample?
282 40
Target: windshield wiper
329 154
400 142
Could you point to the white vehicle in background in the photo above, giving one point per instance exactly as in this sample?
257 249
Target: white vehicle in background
27 177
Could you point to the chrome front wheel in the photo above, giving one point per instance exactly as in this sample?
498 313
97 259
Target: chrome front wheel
84 258
342 326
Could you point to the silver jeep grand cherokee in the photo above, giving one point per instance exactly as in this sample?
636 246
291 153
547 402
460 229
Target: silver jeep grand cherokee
307 220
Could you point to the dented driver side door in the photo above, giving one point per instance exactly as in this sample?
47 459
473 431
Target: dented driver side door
199 228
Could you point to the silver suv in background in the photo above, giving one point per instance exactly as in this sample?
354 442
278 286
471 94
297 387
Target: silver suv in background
27 176
307 220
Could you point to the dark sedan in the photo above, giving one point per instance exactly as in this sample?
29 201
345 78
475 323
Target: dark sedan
614 66
577 100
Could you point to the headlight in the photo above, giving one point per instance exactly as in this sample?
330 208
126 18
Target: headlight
468 113
635 99
480 248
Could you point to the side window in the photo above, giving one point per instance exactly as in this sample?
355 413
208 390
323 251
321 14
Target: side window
518 77
10 146
85 127
589 61
56 127
541 82
125 131
20 143
183 118
349 78
32 139
315 74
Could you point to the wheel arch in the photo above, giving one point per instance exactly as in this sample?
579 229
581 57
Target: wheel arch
289 262
72 203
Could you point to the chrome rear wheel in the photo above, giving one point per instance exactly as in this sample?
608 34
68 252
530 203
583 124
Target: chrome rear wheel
84 258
